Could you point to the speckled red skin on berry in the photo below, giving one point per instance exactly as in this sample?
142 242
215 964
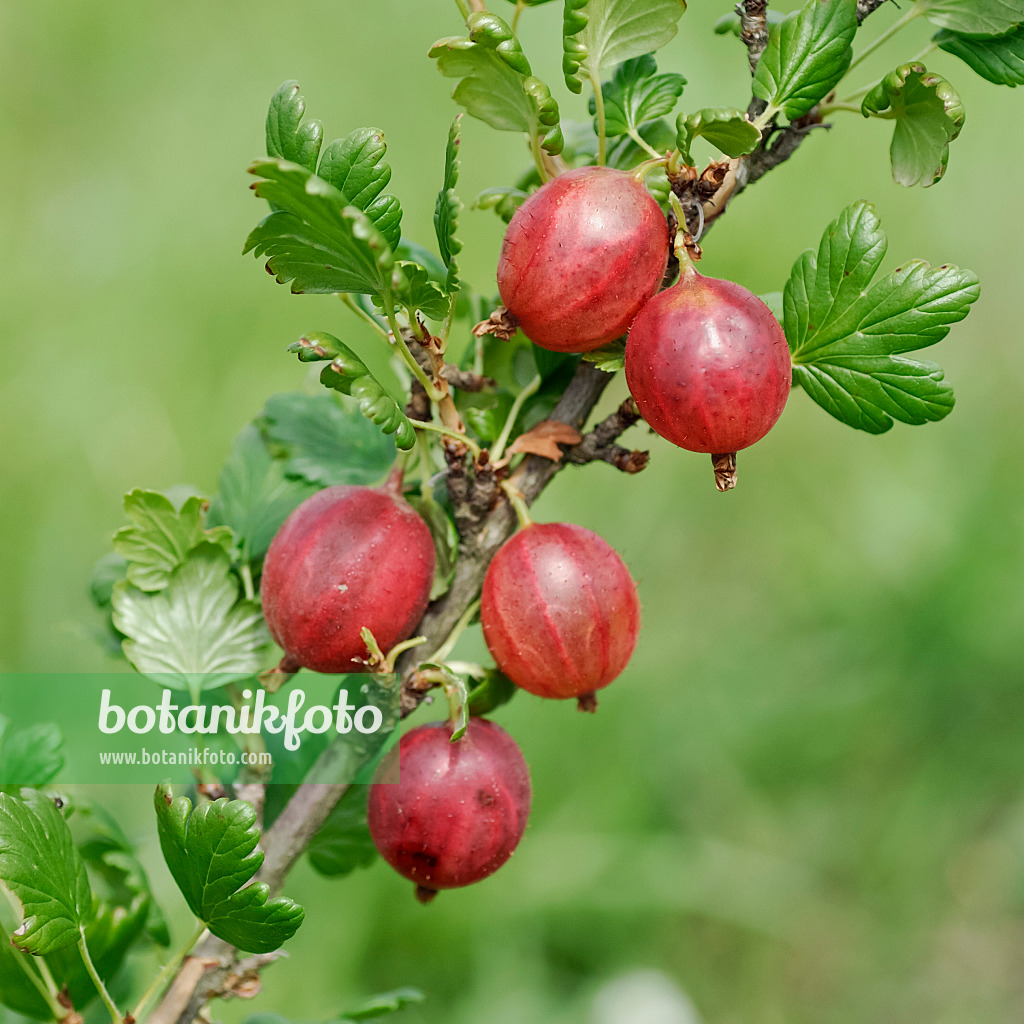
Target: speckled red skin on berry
457 811
346 558
580 258
708 365
560 611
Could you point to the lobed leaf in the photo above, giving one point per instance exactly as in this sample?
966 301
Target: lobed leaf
287 137
30 756
323 441
807 56
197 633
211 853
255 495
999 59
497 83
161 536
598 34
44 871
637 94
412 289
348 374
848 337
316 239
974 17
726 130
448 207
928 115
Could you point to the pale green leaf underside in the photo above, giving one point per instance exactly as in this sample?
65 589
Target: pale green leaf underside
974 17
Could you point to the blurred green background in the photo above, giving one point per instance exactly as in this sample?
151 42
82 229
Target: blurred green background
804 800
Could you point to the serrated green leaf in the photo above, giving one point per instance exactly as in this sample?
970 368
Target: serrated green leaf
807 56
30 756
610 358
287 137
598 34
999 59
42 868
211 853
356 167
446 541
411 288
847 338
315 239
449 206
348 374
637 94
255 495
974 17
196 634
929 115
497 83
727 130
324 441
386 1003
161 536
343 842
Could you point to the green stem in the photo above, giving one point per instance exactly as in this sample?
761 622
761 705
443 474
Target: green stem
898 24
682 253
446 328
645 145
166 971
831 108
602 130
90 967
518 502
641 171
538 157
436 428
399 649
925 52
442 653
250 590
499 446
364 316
463 9
47 990
407 356
520 7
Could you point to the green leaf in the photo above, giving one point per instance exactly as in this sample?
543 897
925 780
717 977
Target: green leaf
196 634
387 1002
16 991
727 130
161 536
287 137
497 83
929 116
847 337
807 56
316 239
637 94
325 442
30 756
255 495
211 853
343 842
598 34
348 374
449 206
492 690
108 569
42 868
998 59
446 540
610 358
504 201
411 288
356 167
974 17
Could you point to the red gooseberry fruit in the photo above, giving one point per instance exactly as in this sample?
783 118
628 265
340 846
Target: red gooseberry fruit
560 611
581 256
455 811
346 558
709 368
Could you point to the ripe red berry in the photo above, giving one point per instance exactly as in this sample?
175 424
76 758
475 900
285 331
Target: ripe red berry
581 256
708 365
346 558
456 811
560 611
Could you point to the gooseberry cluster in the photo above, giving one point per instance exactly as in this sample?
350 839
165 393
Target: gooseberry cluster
708 366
